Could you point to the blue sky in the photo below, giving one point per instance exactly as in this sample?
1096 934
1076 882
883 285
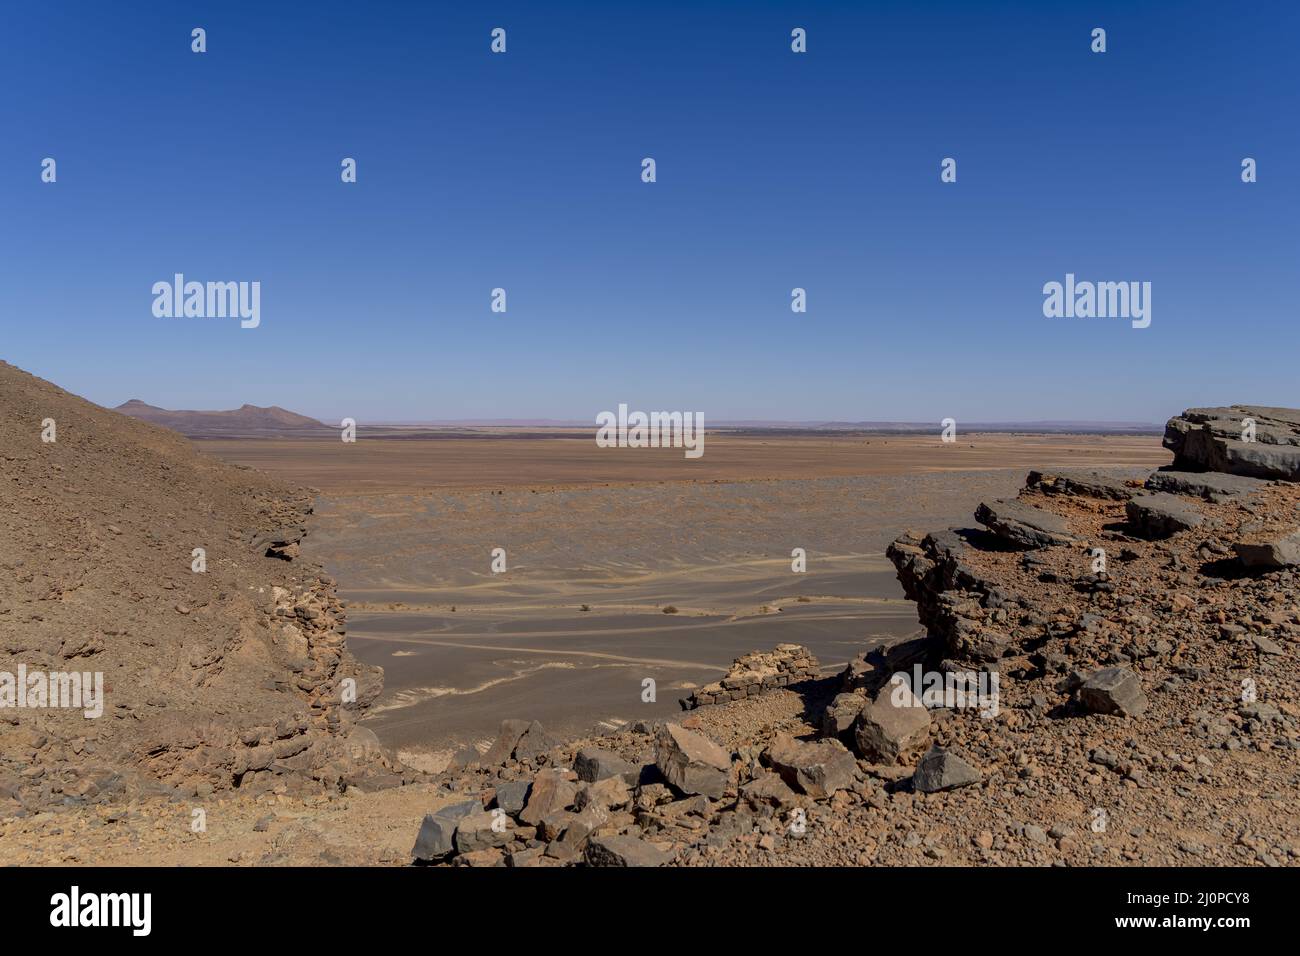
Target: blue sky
775 170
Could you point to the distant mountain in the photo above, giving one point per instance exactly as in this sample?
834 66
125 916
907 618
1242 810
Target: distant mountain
247 420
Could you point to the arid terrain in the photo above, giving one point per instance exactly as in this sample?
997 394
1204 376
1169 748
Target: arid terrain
599 543
1146 710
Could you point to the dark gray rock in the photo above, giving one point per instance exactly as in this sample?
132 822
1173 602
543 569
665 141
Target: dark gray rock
593 764
512 796
1209 485
1113 690
616 850
1280 552
941 769
1159 515
436 838
1022 525
534 742
1210 439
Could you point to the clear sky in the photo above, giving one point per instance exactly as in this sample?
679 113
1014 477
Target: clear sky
775 170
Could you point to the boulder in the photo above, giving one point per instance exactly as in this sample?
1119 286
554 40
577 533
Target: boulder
551 791
1021 525
476 831
840 714
818 769
1160 515
530 856
1113 690
691 762
767 789
593 764
535 742
584 823
504 746
554 823
436 838
941 769
618 850
511 796
610 793
1279 552
1212 439
893 724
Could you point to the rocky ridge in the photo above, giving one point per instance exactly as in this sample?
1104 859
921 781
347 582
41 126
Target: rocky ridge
223 655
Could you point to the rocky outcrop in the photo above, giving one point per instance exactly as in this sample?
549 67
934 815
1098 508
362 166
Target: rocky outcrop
756 673
1209 485
1091 484
1223 440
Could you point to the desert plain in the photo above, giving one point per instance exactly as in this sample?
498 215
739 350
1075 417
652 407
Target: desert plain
623 565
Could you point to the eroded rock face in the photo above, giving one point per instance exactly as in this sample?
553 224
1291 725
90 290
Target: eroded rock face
1212 439
236 677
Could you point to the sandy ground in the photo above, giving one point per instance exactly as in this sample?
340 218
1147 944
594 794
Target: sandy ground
575 625
383 466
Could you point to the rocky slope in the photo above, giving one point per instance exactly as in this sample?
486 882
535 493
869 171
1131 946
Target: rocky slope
223 668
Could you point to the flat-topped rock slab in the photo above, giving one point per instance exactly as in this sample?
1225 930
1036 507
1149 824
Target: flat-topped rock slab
1021 525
